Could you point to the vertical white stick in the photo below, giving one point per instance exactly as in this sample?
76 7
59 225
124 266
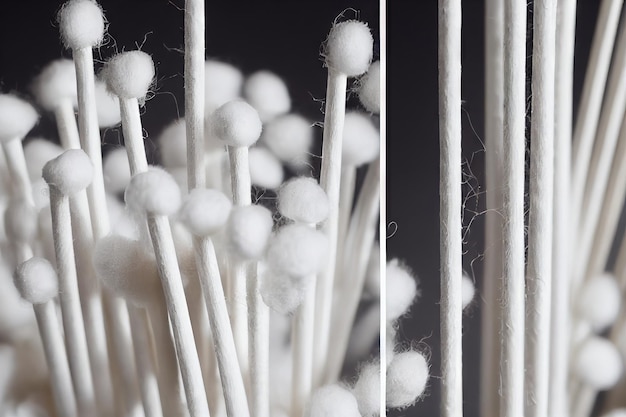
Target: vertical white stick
450 208
512 298
66 125
16 163
133 135
258 345
302 337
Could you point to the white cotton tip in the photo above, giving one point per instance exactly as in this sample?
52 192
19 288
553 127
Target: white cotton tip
55 84
81 23
281 292
107 106
372 275
619 412
268 94
116 170
303 200
236 123
289 137
21 221
599 301
369 88
401 289
37 152
367 390
361 139
468 290
297 250
266 170
349 48
248 231
154 192
126 268
407 376
36 281
598 363
17 117
204 211
172 144
70 172
222 83
129 74
332 401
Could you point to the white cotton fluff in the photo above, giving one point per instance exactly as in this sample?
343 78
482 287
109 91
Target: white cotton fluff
81 23
70 172
236 123
599 301
37 152
129 74
367 390
173 144
401 289
17 117
332 401
126 268
36 281
204 211
266 170
468 290
21 221
369 88
303 200
107 106
349 48
619 412
598 363
248 231
407 376
283 293
289 137
297 250
268 94
154 192
16 314
56 83
361 139
116 170
222 83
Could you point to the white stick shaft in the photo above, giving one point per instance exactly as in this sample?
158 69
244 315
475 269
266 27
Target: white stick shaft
229 370
346 196
16 163
54 349
330 178
174 292
512 298
240 175
76 341
450 207
258 345
133 135
66 125
302 356
194 92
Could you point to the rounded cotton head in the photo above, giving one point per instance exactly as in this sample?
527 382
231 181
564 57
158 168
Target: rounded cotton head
70 172
236 123
21 221
401 288
281 292
56 83
173 144
116 170
81 23
289 137
303 200
153 192
17 117
369 88
268 94
204 211
332 401
129 74
107 106
248 231
222 83
468 290
349 48
298 251
407 376
361 139
266 170
599 301
367 389
37 152
598 363
36 281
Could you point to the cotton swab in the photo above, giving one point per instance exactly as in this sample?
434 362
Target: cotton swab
332 401
107 106
222 84
156 194
37 283
266 171
407 375
369 88
67 174
367 390
268 94
289 137
204 213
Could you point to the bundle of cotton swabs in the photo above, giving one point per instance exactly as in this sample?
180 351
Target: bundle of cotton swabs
185 298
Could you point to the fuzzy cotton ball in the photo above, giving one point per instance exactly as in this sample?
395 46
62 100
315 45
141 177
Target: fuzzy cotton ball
36 281
56 83
401 289
116 170
70 172
204 211
303 200
407 376
37 152
17 117
173 144
248 231
369 88
599 301
129 74
332 401
289 137
281 292
297 250
21 221
236 123
81 23
349 48
268 94
367 390
266 170
222 83
107 106
598 363
154 192
361 139
468 290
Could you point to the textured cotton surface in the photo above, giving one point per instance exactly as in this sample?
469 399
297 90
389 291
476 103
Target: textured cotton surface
222 83
367 390
268 94
36 281
129 74
289 137
70 172
407 375
332 401
204 211
369 88
236 123
154 192
401 289
303 200
55 83
297 250
17 117
349 48
81 24
248 231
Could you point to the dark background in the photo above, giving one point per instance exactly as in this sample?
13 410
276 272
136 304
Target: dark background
285 37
